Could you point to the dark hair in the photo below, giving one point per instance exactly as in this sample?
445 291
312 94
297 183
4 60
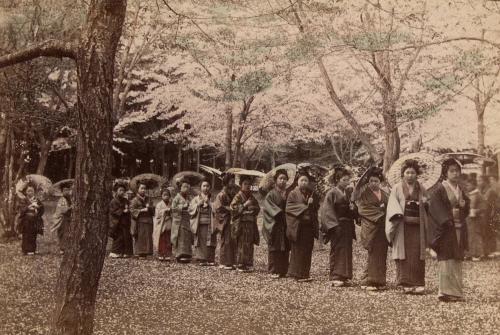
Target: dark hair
181 181
279 173
226 178
410 164
166 190
205 181
337 174
33 186
484 179
118 185
141 182
376 172
67 184
446 166
472 181
303 174
246 178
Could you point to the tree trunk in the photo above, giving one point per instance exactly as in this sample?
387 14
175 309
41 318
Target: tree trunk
480 131
71 165
44 154
179 158
392 140
229 137
82 263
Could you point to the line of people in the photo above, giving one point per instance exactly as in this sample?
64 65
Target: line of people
448 219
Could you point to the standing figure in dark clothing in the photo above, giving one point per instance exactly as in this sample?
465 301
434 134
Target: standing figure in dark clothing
301 227
274 226
30 220
119 219
489 195
448 210
222 222
337 225
142 212
372 205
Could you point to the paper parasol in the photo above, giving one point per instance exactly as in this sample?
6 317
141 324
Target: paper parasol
41 183
192 177
56 189
267 182
153 183
429 166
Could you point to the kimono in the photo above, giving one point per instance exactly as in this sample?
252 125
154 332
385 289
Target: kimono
475 225
181 236
406 228
449 238
205 240
162 229
119 229
372 211
30 223
244 228
337 226
489 234
142 225
62 220
274 232
222 224
301 230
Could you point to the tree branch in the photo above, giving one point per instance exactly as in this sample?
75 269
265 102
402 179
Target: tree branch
50 48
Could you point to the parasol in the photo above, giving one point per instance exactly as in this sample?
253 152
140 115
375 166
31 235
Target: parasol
192 177
41 183
267 182
56 189
430 168
153 183
211 170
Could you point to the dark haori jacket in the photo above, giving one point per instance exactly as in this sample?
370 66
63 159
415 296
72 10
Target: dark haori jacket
445 222
372 212
117 216
274 221
334 212
222 215
299 212
29 216
139 217
241 216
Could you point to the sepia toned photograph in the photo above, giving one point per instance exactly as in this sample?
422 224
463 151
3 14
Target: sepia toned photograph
249 167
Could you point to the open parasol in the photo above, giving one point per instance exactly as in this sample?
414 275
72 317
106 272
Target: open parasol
429 165
210 170
41 183
56 189
192 177
267 182
153 183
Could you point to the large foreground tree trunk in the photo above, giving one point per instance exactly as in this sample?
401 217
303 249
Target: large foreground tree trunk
82 263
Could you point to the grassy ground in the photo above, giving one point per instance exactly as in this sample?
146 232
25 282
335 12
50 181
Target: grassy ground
149 297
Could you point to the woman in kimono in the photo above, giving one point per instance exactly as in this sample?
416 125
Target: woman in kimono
205 240
475 229
490 197
222 222
372 205
62 216
30 220
337 225
448 209
244 230
119 219
142 211
274 226
301 227
181 236
163 226
406 228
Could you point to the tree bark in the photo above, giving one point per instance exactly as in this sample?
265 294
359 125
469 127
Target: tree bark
229 137
44 154
82 263
392 140
179 158
480 131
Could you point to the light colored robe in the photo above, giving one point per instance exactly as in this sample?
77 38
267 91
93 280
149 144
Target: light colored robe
162 222
394 230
